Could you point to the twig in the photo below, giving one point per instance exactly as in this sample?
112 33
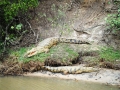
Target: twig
30 27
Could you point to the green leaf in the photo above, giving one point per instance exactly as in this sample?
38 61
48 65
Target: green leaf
19 26
12 27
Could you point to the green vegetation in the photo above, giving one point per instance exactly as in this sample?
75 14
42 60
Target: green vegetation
19 54
60 52
110 54
114 19
13 19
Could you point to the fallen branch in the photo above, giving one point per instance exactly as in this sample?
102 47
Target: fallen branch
30 27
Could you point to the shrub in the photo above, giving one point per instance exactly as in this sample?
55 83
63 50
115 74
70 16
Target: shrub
13 14
114 19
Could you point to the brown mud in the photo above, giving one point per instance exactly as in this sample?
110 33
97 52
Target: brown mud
17 68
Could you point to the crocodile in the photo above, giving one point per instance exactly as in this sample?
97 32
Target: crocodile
71 69
46 44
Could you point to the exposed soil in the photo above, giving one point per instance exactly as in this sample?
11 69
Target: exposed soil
17 68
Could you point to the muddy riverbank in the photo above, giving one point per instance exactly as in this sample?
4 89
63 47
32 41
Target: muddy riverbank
105 76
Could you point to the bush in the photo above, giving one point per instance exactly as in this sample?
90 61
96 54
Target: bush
13 14
114 19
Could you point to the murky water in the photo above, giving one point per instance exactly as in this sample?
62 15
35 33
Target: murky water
38 83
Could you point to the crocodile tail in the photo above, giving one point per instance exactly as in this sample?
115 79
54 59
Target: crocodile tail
74 41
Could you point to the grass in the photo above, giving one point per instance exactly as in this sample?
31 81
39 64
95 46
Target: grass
110 54
62 52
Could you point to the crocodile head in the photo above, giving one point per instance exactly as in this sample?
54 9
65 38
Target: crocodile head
31 53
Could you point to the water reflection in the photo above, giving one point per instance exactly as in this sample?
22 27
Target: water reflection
38 83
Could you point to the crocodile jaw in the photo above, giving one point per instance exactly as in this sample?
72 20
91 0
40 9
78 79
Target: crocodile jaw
31 53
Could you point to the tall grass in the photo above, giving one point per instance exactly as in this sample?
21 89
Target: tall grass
110 54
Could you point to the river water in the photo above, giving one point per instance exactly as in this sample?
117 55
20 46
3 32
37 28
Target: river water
40 83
